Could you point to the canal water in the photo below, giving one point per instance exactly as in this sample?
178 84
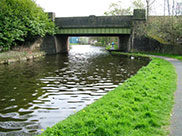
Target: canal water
37 94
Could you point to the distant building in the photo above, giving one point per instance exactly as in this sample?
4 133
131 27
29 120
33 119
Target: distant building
74 39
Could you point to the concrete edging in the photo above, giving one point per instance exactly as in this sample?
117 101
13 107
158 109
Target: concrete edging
20 59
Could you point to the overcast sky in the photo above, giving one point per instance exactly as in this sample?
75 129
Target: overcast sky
68 8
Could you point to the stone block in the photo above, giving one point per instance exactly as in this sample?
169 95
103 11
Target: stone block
139 14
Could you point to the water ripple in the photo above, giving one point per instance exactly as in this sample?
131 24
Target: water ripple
39 94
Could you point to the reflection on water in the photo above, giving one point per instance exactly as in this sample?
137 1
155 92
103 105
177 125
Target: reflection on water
35 95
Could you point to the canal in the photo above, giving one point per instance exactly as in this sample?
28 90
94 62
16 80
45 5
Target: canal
37 94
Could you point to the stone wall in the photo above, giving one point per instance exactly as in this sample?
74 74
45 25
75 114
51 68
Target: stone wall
152 46
55 44
49 45
94 22
99 21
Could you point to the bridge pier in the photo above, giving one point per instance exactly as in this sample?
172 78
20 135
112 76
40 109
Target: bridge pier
62 44
124 43
55 44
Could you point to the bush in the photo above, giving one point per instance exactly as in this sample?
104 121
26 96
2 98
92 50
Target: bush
22 20
166 29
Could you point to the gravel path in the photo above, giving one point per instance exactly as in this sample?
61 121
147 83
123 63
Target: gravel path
176 118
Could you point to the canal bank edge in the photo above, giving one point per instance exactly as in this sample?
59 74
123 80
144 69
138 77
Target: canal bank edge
144 109
28 52
24 57
176 115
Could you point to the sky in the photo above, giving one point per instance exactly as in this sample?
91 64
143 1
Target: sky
67 8
71 8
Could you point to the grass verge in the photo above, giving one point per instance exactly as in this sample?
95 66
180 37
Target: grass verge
74 43
141 106
108 47
179 57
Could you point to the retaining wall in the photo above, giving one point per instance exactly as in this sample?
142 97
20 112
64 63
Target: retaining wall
152 46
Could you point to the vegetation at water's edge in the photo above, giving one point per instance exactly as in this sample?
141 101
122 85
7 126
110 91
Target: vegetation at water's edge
20 21
166 30
74 44
104 41
139 107
115 47
179 57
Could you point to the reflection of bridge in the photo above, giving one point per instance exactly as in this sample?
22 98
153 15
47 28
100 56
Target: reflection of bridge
121 26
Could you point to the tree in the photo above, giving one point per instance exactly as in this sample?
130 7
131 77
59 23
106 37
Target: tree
115 9
22 20
168 7
148 6
138 4
178 8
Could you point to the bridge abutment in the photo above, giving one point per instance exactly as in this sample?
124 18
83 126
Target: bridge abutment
55 44
62 44
124 43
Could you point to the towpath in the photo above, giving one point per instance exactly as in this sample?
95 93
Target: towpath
176 118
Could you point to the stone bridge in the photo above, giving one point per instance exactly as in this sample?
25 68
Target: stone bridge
120 26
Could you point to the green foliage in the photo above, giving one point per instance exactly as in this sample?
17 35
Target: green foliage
117 9
139 107
83 40
138 4
179 57
108 47
104 41
21 20
166 30
171 29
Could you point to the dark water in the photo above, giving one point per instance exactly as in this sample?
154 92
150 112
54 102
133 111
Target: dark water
35 95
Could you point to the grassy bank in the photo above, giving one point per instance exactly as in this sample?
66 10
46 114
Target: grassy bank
141 106
178 57
74 43
108 47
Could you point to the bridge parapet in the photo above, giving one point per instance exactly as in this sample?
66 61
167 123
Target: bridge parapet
95 22
139 14
99 24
